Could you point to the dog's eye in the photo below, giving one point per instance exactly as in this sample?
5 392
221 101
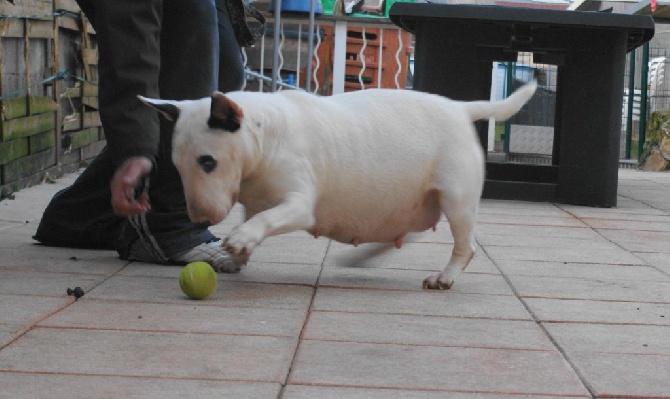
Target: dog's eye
207 163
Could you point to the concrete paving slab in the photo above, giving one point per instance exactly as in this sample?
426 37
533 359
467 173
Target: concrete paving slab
27 310
61 260
276 273
639 241
581 270
6 224
657 223
254 271
233 294
636 213
429 367
624 202
9 332
150 354
46 284
17 234
624 375
658 260
141 269
22 207
520 218
613 255
440 303
582 232
590 311
481 263
291 250
503 207
68 386
658 202
191 317
327 392
426 330
603 288
572 243
394 279
611 338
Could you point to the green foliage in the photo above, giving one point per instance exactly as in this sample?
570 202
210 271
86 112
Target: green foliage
659 128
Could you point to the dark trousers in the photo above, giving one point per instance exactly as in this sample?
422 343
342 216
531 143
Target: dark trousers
190 48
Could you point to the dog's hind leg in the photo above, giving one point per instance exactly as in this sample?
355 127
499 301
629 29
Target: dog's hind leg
461 211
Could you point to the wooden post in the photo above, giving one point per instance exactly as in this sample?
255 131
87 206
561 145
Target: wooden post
631 103
3 28
644 84
26 60
85 45
55 88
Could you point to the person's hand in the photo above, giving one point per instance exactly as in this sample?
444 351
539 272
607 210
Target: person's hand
129 177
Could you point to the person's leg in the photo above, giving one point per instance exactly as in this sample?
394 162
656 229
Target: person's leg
231 66
188 71
81 215
189 66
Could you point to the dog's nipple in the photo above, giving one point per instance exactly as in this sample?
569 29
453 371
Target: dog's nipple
315 233
356 241
398 242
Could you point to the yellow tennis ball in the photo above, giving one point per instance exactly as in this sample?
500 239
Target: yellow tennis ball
198 280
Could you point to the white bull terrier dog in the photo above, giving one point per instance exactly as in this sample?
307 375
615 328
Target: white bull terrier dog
367 166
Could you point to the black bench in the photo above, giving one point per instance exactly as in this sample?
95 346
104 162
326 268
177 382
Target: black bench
455 48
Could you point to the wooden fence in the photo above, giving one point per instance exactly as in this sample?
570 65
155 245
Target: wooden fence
48 91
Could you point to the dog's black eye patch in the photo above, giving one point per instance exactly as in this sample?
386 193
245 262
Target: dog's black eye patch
207 163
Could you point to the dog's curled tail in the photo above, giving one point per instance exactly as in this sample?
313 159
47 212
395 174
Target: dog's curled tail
501 110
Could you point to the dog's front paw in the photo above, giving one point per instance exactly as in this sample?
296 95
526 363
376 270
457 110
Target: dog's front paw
229 263
242 240
438 282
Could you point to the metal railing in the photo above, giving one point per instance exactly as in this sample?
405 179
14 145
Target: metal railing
328 55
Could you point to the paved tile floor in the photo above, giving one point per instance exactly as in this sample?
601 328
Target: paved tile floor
560 301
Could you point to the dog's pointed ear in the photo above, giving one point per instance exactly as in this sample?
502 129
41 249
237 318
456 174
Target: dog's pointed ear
225 114
167 108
